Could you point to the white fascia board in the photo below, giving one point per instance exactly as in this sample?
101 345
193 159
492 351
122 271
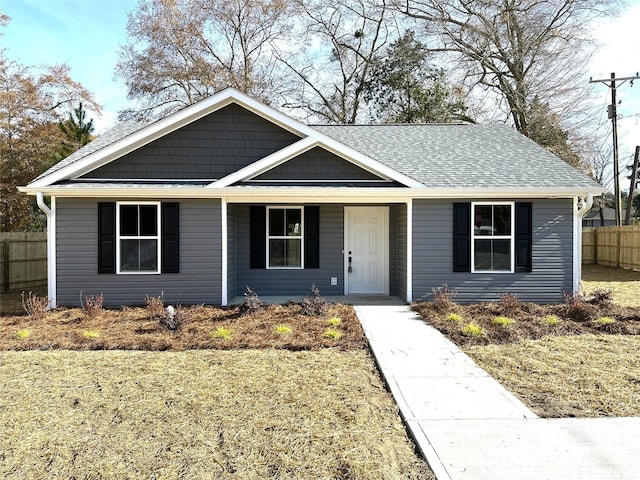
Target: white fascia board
318 192
266 163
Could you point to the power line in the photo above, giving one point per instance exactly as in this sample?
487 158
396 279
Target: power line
613 115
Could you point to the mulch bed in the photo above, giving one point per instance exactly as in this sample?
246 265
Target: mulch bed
139 329
530 321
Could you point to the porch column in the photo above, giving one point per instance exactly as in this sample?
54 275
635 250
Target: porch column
223 228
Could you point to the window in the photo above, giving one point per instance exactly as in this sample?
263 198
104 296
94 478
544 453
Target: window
284 237
138 237
492 237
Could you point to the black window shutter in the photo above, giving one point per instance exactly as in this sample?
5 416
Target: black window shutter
461 237
170 241
257 236
524 237
312 237
106 237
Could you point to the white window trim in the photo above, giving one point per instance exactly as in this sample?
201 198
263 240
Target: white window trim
493 237
281 237
157 238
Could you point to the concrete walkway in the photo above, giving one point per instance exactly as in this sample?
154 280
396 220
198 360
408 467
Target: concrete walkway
469 427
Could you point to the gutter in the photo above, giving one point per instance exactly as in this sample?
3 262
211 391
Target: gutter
51 246
581 206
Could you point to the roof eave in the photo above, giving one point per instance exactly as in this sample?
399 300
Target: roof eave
331 194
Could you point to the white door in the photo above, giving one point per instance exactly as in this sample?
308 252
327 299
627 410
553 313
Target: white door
366 258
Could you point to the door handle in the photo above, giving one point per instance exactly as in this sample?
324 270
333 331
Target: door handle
350 269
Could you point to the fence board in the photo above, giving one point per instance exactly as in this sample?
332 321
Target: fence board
23 260
612 246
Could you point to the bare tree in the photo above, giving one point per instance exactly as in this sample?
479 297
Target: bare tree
344 37
518 50
181 51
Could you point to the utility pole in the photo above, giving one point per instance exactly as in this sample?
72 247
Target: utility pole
613 115
632 186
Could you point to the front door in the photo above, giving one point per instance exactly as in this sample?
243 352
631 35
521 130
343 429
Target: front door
366 250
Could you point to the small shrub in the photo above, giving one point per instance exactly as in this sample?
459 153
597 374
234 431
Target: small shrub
332 333
23 333
222 333
314 305
503 321
551 320
443 297
92 304
472 330
573 298
454 317
173 318
600 296
90 334
334 321
34 305
509 304
605 320
251 303
155 306
283 329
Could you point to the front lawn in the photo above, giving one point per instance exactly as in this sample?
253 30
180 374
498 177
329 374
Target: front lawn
249 414
574 359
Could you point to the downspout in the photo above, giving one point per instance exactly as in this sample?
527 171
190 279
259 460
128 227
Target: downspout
51 246
580 207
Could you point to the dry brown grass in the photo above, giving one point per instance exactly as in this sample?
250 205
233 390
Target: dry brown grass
250 414
577 367
578 376
624 283
137 329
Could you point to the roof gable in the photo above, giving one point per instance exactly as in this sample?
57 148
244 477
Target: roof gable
123 140
209 148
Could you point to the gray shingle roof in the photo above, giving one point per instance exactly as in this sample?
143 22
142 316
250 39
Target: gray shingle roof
436 155
461 155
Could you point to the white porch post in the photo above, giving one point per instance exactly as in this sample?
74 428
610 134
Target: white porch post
409 251
223 228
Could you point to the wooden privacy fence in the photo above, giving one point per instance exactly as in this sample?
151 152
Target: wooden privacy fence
23 260
612 246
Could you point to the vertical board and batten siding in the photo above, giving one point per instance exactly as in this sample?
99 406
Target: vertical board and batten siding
402 251
552 222
199 280
295 282
210 148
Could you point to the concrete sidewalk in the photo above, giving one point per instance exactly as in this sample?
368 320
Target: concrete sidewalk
469 427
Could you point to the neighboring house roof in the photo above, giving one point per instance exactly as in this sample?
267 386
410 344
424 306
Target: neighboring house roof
434 157
594 214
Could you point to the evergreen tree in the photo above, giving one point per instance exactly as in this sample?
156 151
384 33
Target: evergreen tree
405 88
77 132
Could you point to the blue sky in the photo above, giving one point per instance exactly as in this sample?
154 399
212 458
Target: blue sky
87 34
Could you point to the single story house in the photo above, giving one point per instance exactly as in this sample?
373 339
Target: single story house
592 217
229 193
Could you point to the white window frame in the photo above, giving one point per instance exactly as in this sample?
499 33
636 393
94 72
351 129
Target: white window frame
157 237
285 237
510 237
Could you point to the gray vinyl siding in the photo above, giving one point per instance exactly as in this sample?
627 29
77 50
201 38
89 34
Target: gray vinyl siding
210 148
199 280
552 269
294 282
401 252
317 164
